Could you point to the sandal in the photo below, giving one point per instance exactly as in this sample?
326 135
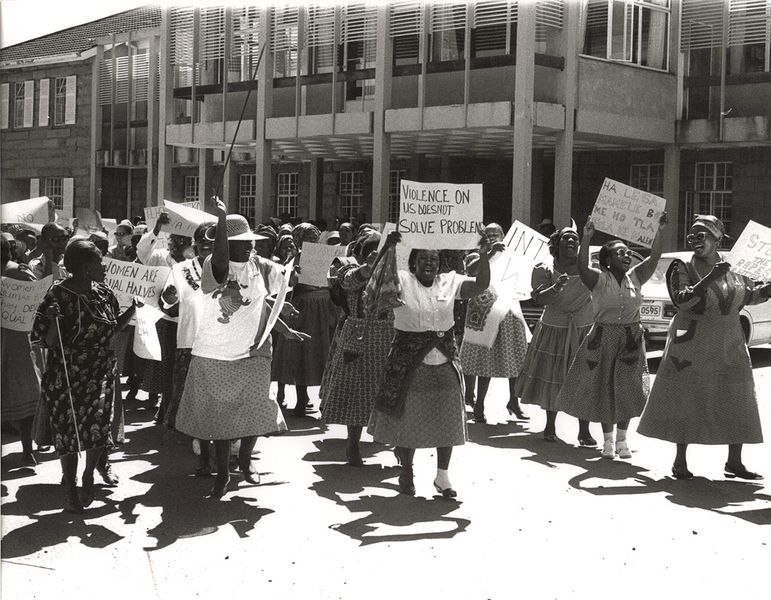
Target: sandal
681 473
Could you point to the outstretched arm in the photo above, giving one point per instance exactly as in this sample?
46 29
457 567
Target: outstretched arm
589 276
646 268
220 258
481 282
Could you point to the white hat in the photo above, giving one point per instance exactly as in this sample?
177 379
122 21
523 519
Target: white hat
238 229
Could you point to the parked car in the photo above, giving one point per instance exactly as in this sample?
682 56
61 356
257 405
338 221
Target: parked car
657 309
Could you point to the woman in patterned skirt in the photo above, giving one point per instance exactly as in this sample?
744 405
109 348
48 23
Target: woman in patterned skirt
704 392
77 384
420 402
361 345
495 337
608 379
226 393
565 322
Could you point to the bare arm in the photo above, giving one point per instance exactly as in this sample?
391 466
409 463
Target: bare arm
220 257
646 268
589 276
481 282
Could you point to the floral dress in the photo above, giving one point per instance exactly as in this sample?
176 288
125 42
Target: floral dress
87 325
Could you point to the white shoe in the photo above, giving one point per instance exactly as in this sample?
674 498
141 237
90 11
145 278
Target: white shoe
623 450
607 449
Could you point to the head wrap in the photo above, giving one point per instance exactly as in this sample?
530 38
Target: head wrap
301 230
712 224
281 241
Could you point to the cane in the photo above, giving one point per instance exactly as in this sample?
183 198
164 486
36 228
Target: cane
69 388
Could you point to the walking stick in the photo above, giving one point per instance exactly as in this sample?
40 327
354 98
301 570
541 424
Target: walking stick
69 387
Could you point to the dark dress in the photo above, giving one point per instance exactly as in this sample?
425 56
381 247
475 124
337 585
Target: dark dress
87 325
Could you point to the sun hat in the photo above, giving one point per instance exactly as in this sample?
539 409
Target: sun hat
237 228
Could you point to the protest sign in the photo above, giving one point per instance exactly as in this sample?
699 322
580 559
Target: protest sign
88 220
146 342
152 212
315 260
19 301
402 251
751 254
525 248
278 303
527 242
110 225
34 210
629 213
440 215
185 219
128 280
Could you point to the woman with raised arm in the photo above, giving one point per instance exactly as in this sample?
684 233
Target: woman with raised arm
420 401
566 320
608 380
704 391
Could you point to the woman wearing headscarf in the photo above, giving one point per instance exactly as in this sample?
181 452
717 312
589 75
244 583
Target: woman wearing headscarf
704 391
495 336
608 379
420 400
302 364
266 246
565 321
359 350
226 393
75 323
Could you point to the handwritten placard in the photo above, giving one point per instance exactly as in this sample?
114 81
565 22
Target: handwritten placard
34 210
152 212
128 280
88 220
440 215
629 213
146 342
315 260
19 301
751 254
278 303
185 219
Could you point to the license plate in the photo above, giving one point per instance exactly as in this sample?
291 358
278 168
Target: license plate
649 312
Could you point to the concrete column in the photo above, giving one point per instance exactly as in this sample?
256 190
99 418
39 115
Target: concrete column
165 112
563 142
538 172
152 124
263 148
316 189
523 114
95 175
381 153
672 194
206 176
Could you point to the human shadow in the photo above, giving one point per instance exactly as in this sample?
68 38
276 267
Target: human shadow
387 517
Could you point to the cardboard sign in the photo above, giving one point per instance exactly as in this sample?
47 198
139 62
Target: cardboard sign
110 225
315 260
88 220
440 215
525 248
152 212
629 213
34 210
146 342
19 301
278 304
128 280
184 220
751 254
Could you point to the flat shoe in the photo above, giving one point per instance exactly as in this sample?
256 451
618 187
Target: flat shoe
587 442
107 475
549 437
445 492
406 482
741 473
250 475
679 473
220 487
203 472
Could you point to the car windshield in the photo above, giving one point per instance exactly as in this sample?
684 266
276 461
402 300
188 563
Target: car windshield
660 274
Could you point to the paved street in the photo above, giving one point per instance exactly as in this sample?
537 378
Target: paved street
533 519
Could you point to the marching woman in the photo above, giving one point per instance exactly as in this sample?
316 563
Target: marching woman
226 393
495 336
420 401
564 324
704 391
608 379
76 322
359 352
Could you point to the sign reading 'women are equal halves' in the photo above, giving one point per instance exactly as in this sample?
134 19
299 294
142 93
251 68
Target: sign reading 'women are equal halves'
440 215
631 214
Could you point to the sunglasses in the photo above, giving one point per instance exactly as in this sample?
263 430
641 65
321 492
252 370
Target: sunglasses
119 234
622 252
696 237
58 238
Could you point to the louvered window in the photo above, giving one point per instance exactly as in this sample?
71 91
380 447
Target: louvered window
494 29
181 52
448 31
320 38
359 47
284 40
749 35
701 24
245 43
211 42
406 26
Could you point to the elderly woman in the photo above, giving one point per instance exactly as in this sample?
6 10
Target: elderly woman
123 233
302 364
226 393
76 322
704 391
420 402
608 379
495 336
359 351
564 324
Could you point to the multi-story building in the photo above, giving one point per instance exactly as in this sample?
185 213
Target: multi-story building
320 110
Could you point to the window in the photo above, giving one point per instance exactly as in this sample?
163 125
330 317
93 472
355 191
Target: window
393 194
284 40
59 189
359 48
60 100
448 31
191 188
406 25
713 183
247 195
494 30
18 104
649 178
287 194
630 31
350 193
55 191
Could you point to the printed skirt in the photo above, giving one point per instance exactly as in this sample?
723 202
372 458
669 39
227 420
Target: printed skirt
506 356
434 415
181 366
608 379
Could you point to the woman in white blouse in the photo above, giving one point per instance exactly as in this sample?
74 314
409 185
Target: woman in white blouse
420 402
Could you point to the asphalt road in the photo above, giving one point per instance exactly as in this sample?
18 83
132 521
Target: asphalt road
532 518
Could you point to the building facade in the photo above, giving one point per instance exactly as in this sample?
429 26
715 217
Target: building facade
319 110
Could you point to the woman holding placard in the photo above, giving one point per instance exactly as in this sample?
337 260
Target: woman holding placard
420 403
495 336
566 320
704 391
608 379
